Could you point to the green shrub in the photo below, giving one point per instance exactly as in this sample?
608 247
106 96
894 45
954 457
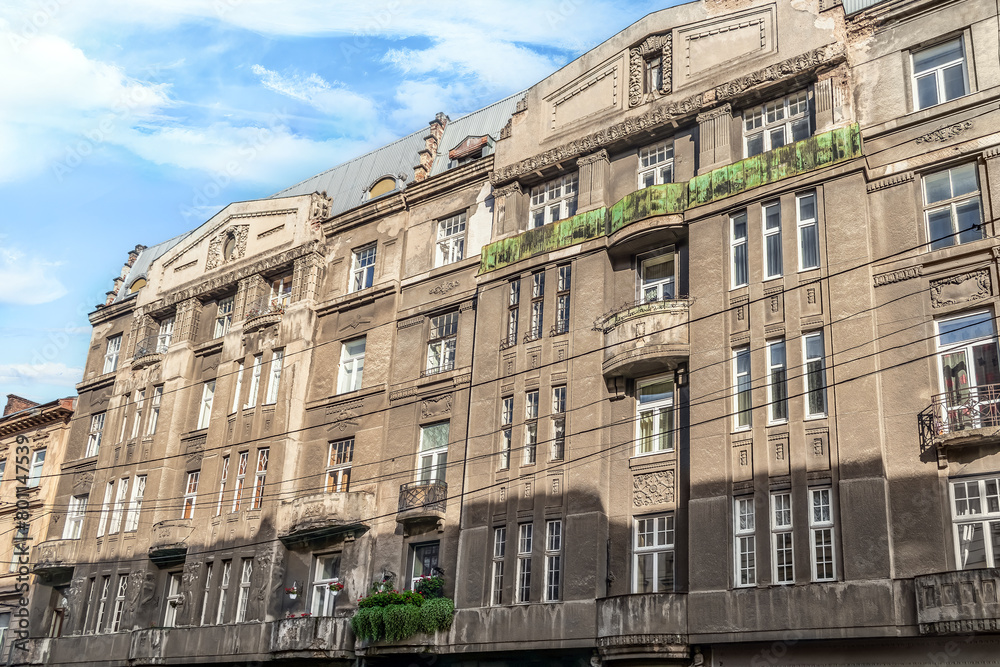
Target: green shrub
436 615
361 624
430 587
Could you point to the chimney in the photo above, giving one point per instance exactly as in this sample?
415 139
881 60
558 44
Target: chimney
15 404
431 141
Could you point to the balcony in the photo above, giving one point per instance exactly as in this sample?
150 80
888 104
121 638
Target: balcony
649 625
315 637
149 350
54 561
168 542
321 517
640 338
959 602
965 418
261 312
422 501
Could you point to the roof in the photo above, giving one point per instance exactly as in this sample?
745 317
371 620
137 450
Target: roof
142 263
855 6
349 182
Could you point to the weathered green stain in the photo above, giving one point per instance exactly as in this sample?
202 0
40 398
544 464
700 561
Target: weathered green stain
801 157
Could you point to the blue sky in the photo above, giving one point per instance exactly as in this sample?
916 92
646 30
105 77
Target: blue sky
127 122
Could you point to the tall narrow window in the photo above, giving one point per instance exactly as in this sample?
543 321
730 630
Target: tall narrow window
558 423
116 617
223 316
513 307
441 343
135 504
951 206
246 575
655 418
165 334
190 494
241 475
274 379
363 268
338 466
653 555
821 535
223 476
781 537
537 304
102 604
432 461
450 240
220 612
425 561
238 388
327 571
777 382
254 381
172 598
739 269
656 278
260 476
808 231
96 431
74 517
530 426
553 201
939 74
207 398
553 560
771 214
116 511
352 365
524 537
499 553
656 164
154 410
741 380
124 409
281 293
109 491
506 430
88 604
815 374
976 522
111 353
37 463
140 399
565 274
969 363
745 542
207 591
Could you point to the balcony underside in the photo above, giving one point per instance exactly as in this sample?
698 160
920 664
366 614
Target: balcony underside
322 518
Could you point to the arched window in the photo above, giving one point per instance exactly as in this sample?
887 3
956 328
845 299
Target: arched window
137 285
382 186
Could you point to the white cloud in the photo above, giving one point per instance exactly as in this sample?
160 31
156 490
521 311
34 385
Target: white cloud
27 280
335 99
49 373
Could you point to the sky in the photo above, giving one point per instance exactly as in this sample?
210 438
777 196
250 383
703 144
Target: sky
127 122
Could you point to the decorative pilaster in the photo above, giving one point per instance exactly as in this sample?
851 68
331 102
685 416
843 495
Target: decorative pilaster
186 319
305 275
247 290
595 173
506 204
714 128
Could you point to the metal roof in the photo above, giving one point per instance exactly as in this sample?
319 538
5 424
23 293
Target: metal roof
348 183
855 6
142 263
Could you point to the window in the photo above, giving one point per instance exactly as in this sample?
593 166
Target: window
338 466
939 74
281 292
815 373
352 366
524 535
656 164
781 537
88 604
506 430
102 604
37 463
655 419
223 476
109 491
775 124
223 316
558 423
777 382
432 460
653 77
382 186
740 270
553 559
190 494
96 431
135 504
808 231
239 386
4 627
537 305
254 381
20 548
241 474
499 552
653 554
244 598
275 378
165 334
746 549
116 617
553 201
821 535
450 240
564 276
976 521
951 206
656 278
140 399
425 561
441 343
207 397
530 426
741 380
57 618
363 268
260 476
74 517
326 572
111 354
206 593
513 305
173 598
154 410
124 408
968 362
220 612
771 214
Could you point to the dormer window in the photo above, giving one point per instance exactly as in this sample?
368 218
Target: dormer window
137 285
383 186
469 150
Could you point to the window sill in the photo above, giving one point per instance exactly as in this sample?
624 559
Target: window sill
813 418
651 458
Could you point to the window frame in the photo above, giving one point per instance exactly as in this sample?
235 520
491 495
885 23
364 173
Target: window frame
787 123
112 352
97 421
506 430
804 226
656 408
987 519
338 470
657 167
243 598
513 312
768 234
260 478
238 389
350 373
952 204
255 372
564 286
557 196
205 406
224 581
665 288
37 466
531 398
363 267
744 542
274 377
75 514
241 476
497 567
280 294
739 260
223 316
777 382
559 395
114 524
135 504
437 469
553 560
536 322
322 600
442 340
190 494
940 91
820 525
667 546
782 538
450 243
809 375
154 410
525 537
739 391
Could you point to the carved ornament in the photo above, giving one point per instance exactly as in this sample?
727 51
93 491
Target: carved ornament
444 288
599 156
971 286
724 110
654 45
217 247
945 133
899 276
890 181
432 407
655 488
509 189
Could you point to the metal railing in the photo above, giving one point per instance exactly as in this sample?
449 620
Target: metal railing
510 340
263 305
560 327
154 344
430 495
962 410
631 309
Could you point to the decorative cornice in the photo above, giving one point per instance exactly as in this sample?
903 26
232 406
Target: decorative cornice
594 157
509 189
890 181
882 279
715 113
991 152
946 133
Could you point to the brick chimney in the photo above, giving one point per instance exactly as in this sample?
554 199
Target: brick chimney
15 404
431 141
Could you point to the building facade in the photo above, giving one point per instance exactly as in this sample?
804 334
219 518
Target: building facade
685 355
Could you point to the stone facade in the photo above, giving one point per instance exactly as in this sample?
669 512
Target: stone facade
707 375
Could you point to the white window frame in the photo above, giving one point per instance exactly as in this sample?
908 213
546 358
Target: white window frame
652 537
205 407
122 590
971 514
814 374
742 386
821 535
952 205
525 535
656 164
770 224
140 399
745 542
281 292
777 382
323 599
75 514
553 200
558 423
564 281
450 240
442 341
190 494
223 476
657 289
530 427
220 610
255 372
553 560
154 410
782 542
241 475
496 571
785 115
363 267
739 260
172 597
246 579
260 478
37 464
506 430
96 432
102 603
135 504
338 466
653 442
513 311
807 225
274 377
223 316
238 388
937 71
165 334
111 353
352 365
432 462
109 492
537 305
207 591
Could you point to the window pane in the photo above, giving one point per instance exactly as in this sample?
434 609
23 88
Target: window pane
800 129
665 571
937 187
433 437
967 217
969 327
971 549
644 573
774 255
963 180
939 231
937 56
954 82
777 138
927 91
740 268
755 144
656 391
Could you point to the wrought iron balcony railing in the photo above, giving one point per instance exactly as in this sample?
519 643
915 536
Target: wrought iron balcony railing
510 340
264 305
430 495
155 344
962 410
